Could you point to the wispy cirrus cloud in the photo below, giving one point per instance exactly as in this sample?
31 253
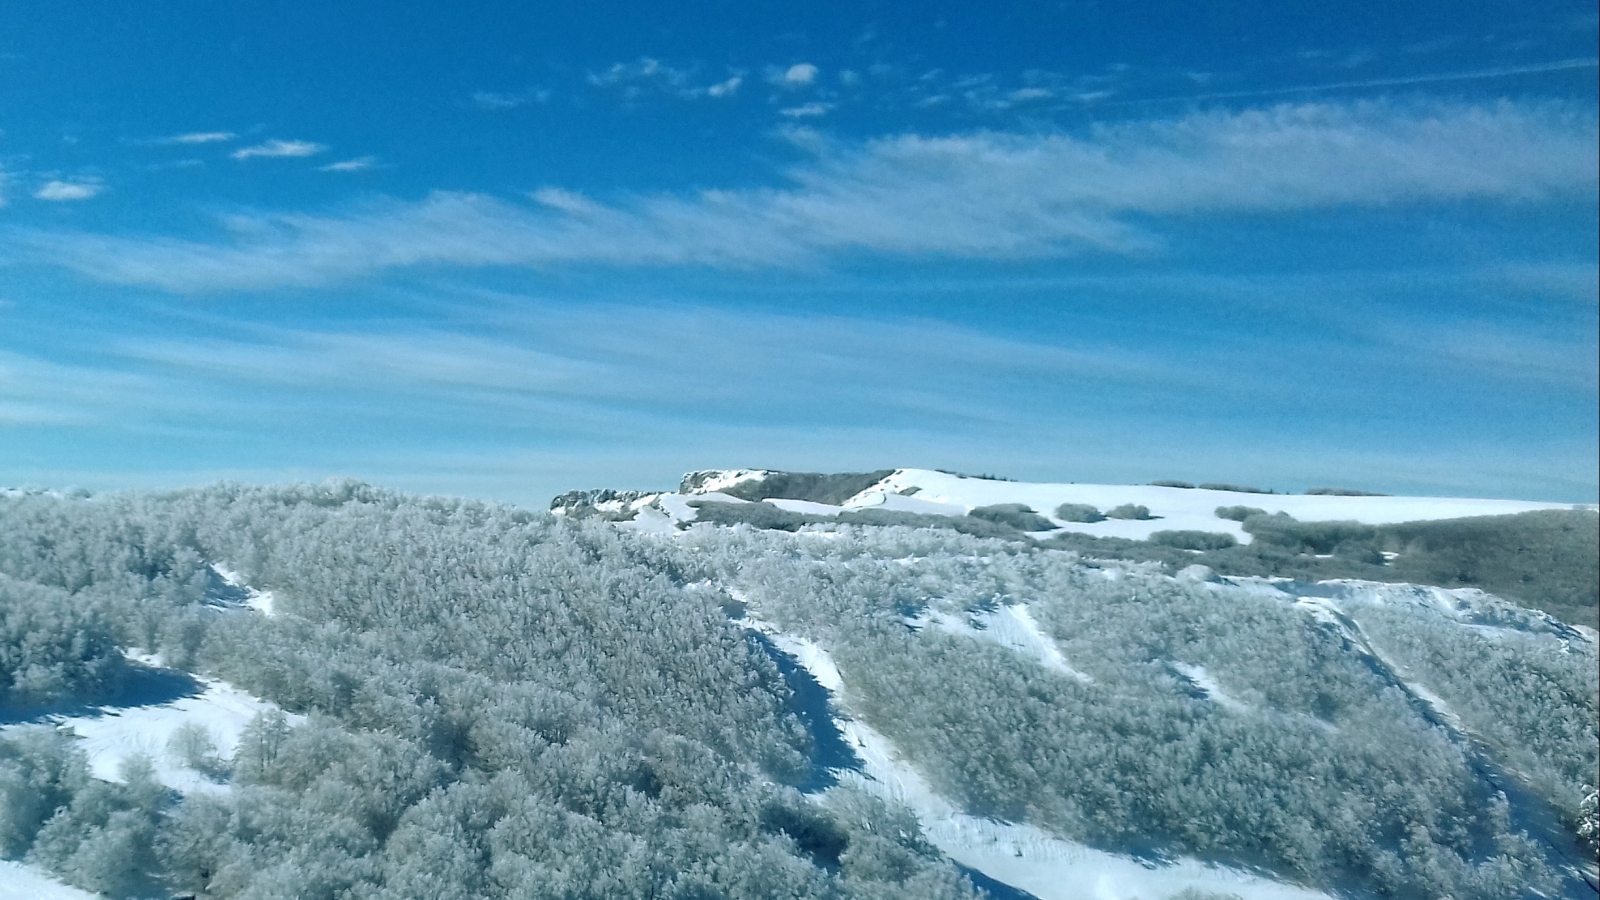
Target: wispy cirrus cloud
35 391
806 110
982 195
359 164
69 190
682 361
198 137
1493 72
278 149
648 75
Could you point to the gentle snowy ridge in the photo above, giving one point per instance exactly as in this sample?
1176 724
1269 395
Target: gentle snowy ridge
927 492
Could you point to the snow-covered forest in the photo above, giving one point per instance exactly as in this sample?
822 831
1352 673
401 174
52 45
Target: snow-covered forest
454 699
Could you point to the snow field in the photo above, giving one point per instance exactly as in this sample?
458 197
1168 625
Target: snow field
19 881
108 739
1179 508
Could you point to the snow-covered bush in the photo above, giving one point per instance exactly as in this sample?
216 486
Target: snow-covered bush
1016 515
1193 540
1129 511
1078 512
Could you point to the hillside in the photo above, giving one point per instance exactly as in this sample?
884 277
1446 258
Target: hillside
887 685
1543 555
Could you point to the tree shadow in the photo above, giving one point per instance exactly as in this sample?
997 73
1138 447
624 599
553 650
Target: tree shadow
812 705
139 685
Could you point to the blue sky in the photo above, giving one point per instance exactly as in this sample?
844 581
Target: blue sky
505 252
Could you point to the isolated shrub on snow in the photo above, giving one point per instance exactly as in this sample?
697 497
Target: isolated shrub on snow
1017 515
1239 513
1079 512
1130 511
1194 540
192 745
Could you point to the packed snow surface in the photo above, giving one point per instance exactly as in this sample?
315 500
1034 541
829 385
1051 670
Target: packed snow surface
23 882
111 734
1019 855
117 733
806 506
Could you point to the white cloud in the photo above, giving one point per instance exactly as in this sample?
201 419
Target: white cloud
566 201
983 195
644 68
797 75
276 149
199 137
806 110
359 164
647 75
725 88
80 189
